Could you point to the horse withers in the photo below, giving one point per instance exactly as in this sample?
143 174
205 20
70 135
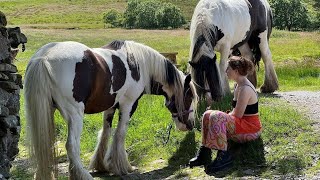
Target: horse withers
226 26
76 79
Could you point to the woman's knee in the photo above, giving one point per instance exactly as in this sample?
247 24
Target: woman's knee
215 116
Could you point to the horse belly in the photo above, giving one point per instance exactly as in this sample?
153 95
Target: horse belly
99 104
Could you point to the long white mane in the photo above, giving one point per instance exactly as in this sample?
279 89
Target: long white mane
154 66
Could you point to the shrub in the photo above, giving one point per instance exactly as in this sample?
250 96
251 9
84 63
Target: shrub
146 14
290 14
152 14
130 14
169 15
113 17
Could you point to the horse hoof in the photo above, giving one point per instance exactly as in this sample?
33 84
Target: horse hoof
268 89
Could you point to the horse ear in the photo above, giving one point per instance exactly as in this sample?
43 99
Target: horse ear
192 64
187 81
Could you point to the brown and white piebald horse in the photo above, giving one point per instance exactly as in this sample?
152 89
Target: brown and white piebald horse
225 26
76 79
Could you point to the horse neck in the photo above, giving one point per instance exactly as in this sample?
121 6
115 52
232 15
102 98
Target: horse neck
153 65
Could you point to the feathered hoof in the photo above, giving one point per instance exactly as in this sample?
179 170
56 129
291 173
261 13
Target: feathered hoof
119 168
79 174
97 165
268 89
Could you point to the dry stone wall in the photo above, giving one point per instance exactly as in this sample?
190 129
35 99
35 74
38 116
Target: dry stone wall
10 85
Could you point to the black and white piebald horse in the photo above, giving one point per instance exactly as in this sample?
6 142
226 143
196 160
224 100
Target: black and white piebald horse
226 26
76 79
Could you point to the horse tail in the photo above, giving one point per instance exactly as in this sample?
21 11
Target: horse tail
39 115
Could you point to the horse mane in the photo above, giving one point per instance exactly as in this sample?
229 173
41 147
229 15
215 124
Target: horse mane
202 31
154 66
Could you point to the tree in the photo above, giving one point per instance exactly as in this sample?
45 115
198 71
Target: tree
317 4
113 17
151 14
290 14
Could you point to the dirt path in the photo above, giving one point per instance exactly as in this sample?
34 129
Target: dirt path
305 101
308 103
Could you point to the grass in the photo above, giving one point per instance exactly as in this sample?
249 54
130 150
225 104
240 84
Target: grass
82 14
288 146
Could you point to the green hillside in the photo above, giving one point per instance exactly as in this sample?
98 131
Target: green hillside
72 13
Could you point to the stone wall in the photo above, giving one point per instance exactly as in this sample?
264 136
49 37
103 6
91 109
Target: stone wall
10 85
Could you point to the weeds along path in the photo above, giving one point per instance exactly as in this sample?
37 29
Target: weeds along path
305 101
308 103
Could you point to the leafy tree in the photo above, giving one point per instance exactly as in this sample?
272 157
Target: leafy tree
169 15
146 16
152 14
317 4
113 17
290 14
130 15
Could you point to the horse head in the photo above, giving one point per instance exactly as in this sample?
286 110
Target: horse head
203 59
182 114
206 77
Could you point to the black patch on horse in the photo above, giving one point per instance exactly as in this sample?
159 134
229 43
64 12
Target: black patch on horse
114 45
83 77
119 73
171 73
156 88
215 37
261 20
134 67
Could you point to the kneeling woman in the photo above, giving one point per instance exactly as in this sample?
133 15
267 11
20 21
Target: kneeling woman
242 124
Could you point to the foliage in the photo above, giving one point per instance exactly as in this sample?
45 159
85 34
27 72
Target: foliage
130 14
290 14
146 14
152 14
169 15
291 147
113 17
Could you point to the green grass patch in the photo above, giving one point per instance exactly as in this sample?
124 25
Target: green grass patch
290 146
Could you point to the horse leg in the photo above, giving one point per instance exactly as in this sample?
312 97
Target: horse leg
247 54
270 83
75 123
224 54
96 162
116 160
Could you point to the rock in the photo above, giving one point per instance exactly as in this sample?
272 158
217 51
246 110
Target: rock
9 86
4 111
8 68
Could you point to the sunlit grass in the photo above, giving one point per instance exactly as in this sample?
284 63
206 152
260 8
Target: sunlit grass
289 141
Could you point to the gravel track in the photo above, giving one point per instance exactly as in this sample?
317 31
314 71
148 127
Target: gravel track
308 103
305 101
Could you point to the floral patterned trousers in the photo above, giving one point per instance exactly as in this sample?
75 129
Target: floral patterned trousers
218 127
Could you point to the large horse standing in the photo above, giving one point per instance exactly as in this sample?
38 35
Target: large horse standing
76 79
226 26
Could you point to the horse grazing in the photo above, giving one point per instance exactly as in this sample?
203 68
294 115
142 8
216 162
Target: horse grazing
226 26
76 79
